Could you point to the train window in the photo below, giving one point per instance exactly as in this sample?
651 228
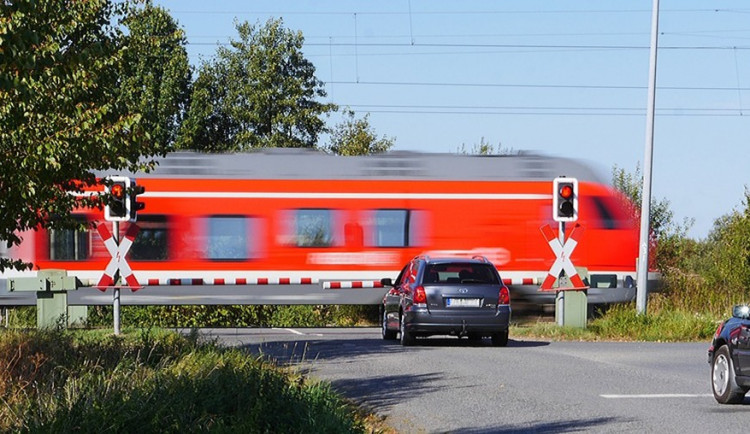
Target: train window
313 227
151 242
395 228
608 219
69 244
228 237
390 228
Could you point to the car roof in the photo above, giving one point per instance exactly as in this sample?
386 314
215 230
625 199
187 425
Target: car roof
451 259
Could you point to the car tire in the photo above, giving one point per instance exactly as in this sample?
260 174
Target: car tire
406 338
723 382
500 339
388 335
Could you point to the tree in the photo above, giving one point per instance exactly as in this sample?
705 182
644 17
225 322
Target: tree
155 76
60 115
261 92
355 137
486 148
667 235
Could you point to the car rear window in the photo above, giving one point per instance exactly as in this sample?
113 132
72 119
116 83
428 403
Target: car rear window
460 272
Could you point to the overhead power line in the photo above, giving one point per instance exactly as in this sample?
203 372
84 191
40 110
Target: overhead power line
496 46
541 86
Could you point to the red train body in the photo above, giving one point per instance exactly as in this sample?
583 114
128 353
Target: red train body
296 217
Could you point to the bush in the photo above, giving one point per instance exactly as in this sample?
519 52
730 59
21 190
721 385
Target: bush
238 316
53 381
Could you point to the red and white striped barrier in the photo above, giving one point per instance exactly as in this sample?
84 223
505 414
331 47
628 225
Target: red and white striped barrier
521 281
563 262
329 284
118 261
232 281
352 285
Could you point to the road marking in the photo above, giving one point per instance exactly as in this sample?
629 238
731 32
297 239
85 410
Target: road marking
298 332
658 396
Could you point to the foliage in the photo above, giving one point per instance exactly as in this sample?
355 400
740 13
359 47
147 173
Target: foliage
238 316
60 115
155 382
714 274
155 75
486 148
260 92
669 237
622 323
355 137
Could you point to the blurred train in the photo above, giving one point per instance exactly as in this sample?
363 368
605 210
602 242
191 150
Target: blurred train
300 217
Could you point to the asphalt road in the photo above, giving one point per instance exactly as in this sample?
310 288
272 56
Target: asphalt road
449 385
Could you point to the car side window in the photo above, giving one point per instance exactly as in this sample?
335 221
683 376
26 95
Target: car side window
401 276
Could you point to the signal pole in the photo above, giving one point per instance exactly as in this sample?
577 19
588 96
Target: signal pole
642 278
116 292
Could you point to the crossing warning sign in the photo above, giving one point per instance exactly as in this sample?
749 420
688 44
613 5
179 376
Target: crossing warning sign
118 261
562 251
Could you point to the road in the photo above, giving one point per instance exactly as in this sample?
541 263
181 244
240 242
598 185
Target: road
449 385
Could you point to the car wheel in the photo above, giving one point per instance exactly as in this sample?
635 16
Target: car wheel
723 383
500 339
406 337
389 335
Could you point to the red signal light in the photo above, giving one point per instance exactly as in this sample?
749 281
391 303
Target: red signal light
117 190
566 191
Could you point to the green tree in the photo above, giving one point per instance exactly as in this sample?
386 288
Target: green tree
356 137
669 237
155 76
60 115
260 92
486 148
726 259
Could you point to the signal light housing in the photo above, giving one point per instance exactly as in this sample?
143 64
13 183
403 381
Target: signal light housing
565 199
117 208
136 206
123 205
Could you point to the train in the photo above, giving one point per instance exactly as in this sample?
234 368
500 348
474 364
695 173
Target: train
305 217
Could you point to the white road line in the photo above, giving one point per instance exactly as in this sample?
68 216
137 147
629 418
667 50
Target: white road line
658 396
298 332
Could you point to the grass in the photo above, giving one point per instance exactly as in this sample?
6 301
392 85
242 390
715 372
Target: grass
622 323
155 381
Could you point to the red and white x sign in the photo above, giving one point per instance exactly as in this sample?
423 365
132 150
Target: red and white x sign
118 261
563 262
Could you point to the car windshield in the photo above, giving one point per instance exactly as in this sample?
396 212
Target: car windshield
460 272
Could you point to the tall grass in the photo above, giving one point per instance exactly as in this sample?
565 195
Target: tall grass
54 381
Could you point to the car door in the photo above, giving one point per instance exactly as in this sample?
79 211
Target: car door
392 299
742 348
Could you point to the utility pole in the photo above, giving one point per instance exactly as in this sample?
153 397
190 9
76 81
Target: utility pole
642 281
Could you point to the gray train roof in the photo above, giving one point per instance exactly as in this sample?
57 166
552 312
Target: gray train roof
310 164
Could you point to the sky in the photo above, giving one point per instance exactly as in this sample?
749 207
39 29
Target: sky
564 78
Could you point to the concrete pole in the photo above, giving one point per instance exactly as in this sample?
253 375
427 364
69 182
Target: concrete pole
642 281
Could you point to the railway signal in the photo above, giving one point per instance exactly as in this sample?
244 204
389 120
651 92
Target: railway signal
136 206
118 207
565 199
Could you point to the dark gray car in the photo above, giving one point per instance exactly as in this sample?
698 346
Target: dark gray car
446 296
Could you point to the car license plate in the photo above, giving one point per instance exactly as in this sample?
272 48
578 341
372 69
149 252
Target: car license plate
463 302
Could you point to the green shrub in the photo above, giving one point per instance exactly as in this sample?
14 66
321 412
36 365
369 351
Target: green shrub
154 381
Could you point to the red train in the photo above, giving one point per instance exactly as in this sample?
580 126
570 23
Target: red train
308 218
